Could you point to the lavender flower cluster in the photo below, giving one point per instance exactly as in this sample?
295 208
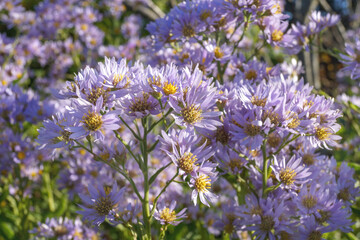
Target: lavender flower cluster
205 127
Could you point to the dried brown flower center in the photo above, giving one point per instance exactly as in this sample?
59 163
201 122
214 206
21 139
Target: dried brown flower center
267 223
251 74
188 31
103 205
252 130
309 201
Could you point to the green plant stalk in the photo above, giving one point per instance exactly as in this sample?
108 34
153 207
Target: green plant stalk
145 201
265 168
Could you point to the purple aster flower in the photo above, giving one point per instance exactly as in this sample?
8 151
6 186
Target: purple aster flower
310 229
195 103
318 21
201 184
167 215
100 204
352 59
54 133
115 74
247 127
188 155
141 104
92 121
292 173
270 218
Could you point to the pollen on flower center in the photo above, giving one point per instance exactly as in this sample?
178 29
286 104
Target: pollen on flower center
315 235
287 176
258 102
188 31
93 121
295 121
277 35
251 74
186 162
267 223
169 88
96 93
309 201
252 130
117 78
202 183
322 133
191 114
218 53
167 216
103 205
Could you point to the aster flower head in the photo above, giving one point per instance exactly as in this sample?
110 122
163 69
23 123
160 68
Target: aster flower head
186 155
292 174
201 185
115 74
140 104
100 204
92 121
167 215
195 104
352 59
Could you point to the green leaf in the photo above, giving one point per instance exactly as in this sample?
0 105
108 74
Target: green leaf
6 230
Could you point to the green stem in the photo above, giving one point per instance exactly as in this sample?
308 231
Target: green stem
162 191
265 167
145 202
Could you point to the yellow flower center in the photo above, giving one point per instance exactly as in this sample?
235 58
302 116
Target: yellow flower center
95 93
277 7
84 27
277 35
295 122
21 155
202 183
169 88
218 53
191 114
322 133
117 78
168 216
258 102
287 176
92 121
186 162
